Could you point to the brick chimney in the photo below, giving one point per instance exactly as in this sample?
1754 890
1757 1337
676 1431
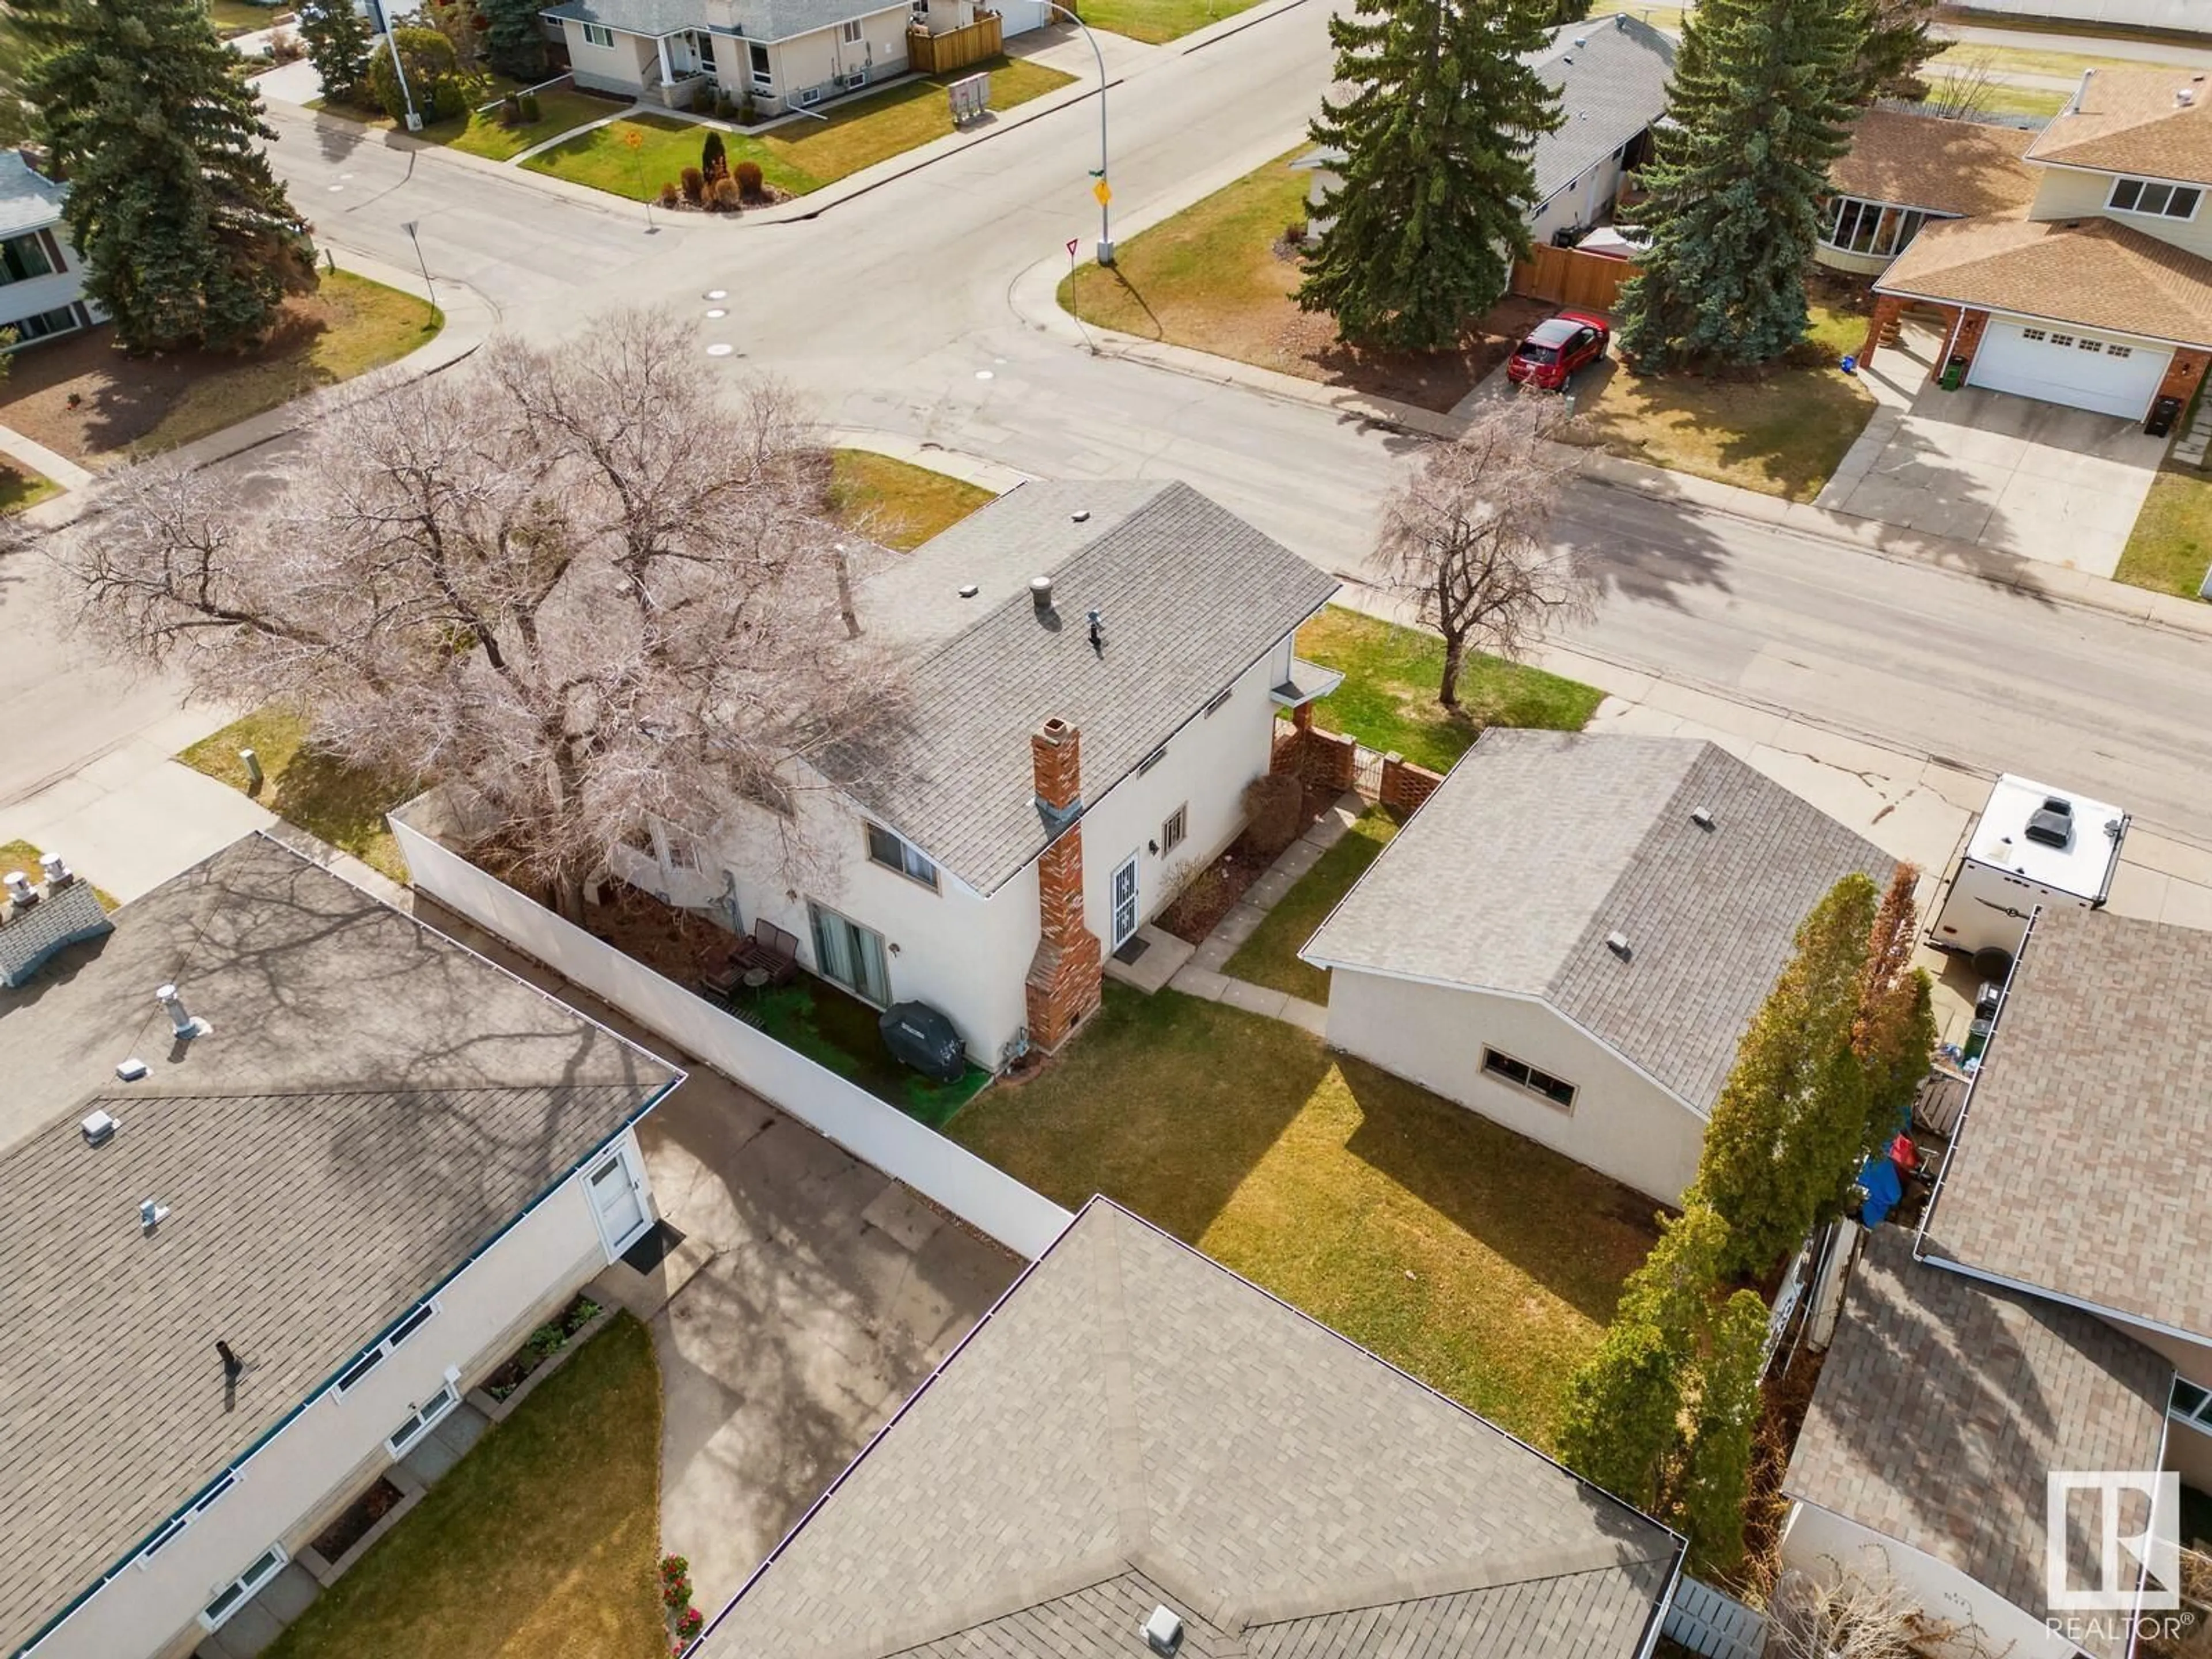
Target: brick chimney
1064 981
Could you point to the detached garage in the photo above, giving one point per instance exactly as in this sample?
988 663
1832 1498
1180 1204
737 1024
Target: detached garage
2086 313
1573 933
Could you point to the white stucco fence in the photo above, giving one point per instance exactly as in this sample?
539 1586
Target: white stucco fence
869 1128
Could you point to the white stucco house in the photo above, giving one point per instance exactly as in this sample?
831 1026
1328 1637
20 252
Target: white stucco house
1572 935
1610 74
41 276
783 54
254 1270
1091 676
2080 274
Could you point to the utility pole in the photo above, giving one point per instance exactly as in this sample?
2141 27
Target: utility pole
1101 189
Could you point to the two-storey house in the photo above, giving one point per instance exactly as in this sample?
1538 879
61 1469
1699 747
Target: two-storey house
41 277
2081 275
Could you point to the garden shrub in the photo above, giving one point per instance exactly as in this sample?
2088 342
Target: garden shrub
434 75
748 176
530 111
695 186
714 157
510 111
1274 803
727 197
670 196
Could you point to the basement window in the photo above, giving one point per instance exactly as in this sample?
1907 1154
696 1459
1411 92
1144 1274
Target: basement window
1523 1075
2153 199
241 1590
1173 831
422 1419
896 853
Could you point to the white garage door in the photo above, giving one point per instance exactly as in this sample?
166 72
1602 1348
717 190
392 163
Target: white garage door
2062 366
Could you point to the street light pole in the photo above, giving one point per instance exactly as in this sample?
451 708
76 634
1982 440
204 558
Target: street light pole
409 227
1105 191
399 68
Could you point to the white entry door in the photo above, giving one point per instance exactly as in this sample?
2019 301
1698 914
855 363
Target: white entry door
2063 365
618 1202
1125 903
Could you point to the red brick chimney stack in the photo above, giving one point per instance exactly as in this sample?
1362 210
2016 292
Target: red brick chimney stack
1064 981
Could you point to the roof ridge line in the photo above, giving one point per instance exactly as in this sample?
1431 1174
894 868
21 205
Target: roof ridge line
1125 1436
1531 1566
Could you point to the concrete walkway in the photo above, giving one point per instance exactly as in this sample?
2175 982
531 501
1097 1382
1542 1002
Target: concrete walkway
51 463
1205 974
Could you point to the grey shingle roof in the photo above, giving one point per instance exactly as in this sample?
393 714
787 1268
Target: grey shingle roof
1542 843
2102 1061
374 1102
756 19
27 199
1192 597
1944 1403
1611 87
1135 1423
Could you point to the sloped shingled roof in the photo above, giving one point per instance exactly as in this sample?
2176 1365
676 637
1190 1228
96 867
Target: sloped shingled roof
1611 75
1944 1403
375 1102
1542 843
1962 168
1134 1425
2090 272
1191 595
2102 1044
2133 120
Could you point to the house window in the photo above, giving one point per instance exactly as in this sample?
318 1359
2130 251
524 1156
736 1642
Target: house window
851 955
2062 339
22 257
2092 346
921 11
1176 827
1523 1075
60 320
206 1501
1152 760
764 81
1851 226
1219 702
682 848
850 34
598 35
2191 1405
236 1594
2158 201
2031 334
896 853
2119 351
422 1419
353 1375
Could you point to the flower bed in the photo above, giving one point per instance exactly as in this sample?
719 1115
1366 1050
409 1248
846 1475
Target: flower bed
542 1344
363 1513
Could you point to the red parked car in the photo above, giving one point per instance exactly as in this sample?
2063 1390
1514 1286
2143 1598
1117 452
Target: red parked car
1556 348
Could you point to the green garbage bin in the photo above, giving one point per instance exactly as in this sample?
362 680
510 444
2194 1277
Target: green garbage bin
1954 375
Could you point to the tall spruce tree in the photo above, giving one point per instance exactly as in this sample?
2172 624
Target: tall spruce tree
338 41
515 38
1761 94
188 239
1716 1480
1435 178
1894 48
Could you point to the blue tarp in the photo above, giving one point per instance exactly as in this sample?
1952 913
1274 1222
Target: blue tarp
1878 1176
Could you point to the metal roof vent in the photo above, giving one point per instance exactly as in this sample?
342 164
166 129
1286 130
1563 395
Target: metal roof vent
183 1025
20 893
1041 594
2183 97
152 1213
1617 944
1702 817
1163 1631
98 1128
57 873
132 1069
969 590
1081 515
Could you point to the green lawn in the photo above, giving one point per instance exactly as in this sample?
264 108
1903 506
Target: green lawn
239 17
558 111
300 783
1157 20
798 157
2171 548
541 1544
1389 697
2029 60
899 504
1780 432
839 1033
1270 956
19 487
1481 1263
1998 99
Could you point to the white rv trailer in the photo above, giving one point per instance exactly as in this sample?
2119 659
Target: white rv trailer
2032 846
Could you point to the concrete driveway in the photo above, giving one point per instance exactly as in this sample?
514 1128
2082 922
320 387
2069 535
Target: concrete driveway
2060 486
810 1296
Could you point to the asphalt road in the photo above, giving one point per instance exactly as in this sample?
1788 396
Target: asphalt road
891 309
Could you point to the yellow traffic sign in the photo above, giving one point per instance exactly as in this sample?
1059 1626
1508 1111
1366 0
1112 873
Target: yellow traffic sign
1103 192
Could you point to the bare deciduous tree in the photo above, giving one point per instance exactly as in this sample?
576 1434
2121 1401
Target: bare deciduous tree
1845 1611
1964 90
1466 536
581 583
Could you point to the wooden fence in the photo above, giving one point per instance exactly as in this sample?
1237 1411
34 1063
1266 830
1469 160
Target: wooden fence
955 49
1568 276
